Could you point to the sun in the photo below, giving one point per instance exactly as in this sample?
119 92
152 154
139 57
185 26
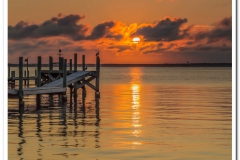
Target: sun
136 40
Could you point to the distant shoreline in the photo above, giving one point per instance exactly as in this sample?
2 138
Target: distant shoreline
144 65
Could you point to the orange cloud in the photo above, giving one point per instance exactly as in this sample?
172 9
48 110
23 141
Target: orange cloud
169 40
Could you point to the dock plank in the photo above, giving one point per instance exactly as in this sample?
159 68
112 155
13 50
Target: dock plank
53 87
12 91
43 90
74 77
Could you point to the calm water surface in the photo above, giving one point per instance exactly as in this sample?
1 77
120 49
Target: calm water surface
143 113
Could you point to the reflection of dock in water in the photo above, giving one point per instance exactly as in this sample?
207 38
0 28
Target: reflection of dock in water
54 81
69 123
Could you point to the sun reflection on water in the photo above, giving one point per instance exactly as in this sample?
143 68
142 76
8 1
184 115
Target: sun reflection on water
135 90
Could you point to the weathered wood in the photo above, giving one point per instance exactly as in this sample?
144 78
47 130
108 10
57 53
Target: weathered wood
24 78
20 92
75 62
50 63
74 77
39 71
64 73
13 91
59 63
70 65
87 82
83 62
54 71
25 74
43 90
12 74
97 93
51 77
12 79
27 78
9 68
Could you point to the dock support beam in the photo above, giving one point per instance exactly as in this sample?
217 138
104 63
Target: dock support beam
25 75
64 97
13 81
70 63
83 62
50 63
97 93
20 91
9 68
38 96
75 62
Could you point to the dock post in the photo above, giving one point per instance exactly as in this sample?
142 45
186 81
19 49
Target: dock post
70 67
50 63
38 96
75 96
28 78
83 62
64 73
84 92
25 75
20 91
35 76
97 93
75 62
64 97
59 63
9 68
39 71
13 81
75 84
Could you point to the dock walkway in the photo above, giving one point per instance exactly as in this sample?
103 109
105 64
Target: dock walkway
55 86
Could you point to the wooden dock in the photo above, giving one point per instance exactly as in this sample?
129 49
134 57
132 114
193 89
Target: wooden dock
55 81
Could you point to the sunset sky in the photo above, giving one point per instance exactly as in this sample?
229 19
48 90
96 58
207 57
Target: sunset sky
170 31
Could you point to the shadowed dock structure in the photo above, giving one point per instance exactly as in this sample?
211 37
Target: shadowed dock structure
55 81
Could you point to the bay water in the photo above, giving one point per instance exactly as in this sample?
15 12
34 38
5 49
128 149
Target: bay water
143 113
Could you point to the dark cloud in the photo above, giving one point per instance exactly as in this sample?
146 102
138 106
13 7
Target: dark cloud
164 30
62 26
23 47
120 48
101 30
113 36
66 26
206 48
215 48
221 31
63 43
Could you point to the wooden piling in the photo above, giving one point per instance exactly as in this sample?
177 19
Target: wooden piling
64 73
75 62
20 89
38 96
70 63
9 68
12 75
97 93
36 76
27 78
13 81
39 71
25 75
50 63
83 62
59 63
64 97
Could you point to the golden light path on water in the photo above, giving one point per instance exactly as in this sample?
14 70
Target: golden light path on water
135 73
